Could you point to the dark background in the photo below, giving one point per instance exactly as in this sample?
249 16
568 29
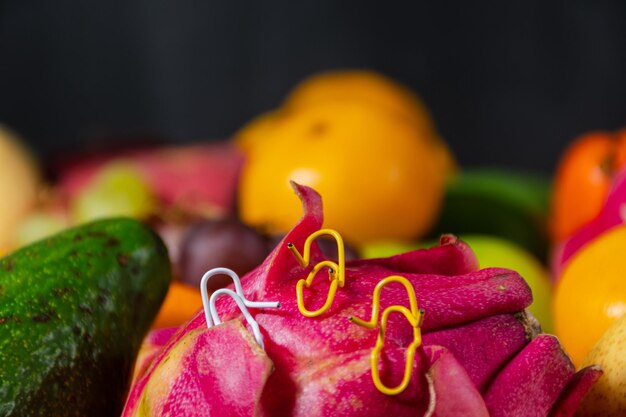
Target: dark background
509 83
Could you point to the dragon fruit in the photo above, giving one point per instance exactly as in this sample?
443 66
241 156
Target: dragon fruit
481 354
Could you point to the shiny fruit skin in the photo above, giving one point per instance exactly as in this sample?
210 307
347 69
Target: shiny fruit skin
591 293
378 180
607 398
583 179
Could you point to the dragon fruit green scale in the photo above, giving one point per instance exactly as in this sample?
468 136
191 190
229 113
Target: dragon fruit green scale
476 339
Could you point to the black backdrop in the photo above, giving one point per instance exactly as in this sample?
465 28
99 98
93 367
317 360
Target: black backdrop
509 84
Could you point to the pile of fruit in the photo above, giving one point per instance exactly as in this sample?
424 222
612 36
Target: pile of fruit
499 292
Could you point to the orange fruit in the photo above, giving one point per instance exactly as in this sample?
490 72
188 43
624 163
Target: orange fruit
364 86
591 293
256 130
583 179
181 303
377 179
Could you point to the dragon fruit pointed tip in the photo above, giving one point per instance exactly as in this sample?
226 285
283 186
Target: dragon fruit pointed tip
448 239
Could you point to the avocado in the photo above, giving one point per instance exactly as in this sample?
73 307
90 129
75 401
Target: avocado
74 309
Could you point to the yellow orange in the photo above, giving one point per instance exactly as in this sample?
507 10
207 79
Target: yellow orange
591 293
256 130
364 86
352 85
378 180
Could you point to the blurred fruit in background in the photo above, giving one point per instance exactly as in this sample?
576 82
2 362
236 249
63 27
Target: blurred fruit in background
118 189
39 224
591 293
492 251
181 303
583 179
225 243
364 142
20 183
256 130
498 202
169 187
198 179
377 90
611 215
364 86
607 398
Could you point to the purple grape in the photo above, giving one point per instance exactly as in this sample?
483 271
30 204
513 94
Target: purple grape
225 243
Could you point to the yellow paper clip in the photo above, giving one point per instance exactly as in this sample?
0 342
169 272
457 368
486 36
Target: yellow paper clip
336 271
415 317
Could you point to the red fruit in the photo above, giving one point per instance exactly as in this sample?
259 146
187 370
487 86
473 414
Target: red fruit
199 179
476 340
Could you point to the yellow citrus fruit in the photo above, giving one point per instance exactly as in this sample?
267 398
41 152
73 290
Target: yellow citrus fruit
591 293
364 86
377 180
256 130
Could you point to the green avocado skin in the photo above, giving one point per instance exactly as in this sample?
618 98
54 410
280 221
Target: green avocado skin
74 309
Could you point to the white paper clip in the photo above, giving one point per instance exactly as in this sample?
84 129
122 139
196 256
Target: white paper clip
242 306
238 289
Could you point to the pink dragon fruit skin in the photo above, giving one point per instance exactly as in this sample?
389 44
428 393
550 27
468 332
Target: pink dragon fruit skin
533 380
473 331
453 394
575 390
150 348
229 373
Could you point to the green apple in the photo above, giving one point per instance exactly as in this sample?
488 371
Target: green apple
496 252
492 251
117 190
